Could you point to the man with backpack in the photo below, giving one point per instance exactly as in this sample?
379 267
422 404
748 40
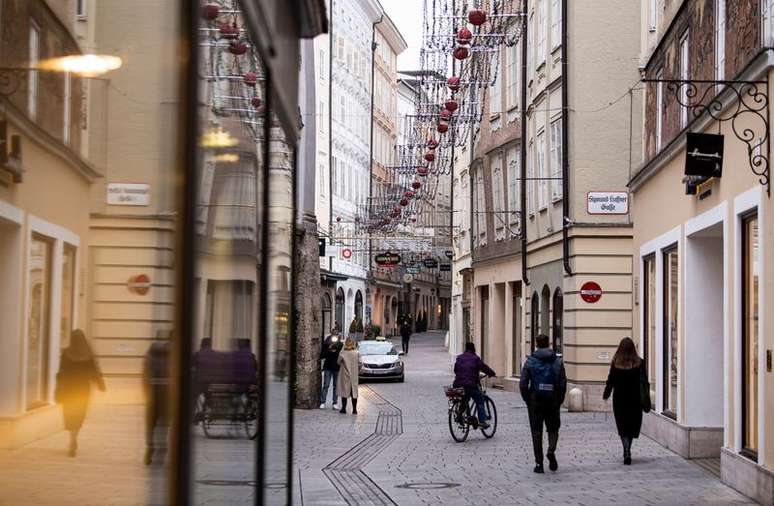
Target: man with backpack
543 386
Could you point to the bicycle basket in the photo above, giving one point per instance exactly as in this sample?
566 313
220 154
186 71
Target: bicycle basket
454 393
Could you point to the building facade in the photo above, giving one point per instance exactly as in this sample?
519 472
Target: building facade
700 261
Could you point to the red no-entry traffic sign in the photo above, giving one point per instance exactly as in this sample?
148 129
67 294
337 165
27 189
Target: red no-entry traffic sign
591 292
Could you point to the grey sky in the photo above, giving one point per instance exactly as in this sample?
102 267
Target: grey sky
407 16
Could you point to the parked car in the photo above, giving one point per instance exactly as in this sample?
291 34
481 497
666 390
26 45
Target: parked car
381 360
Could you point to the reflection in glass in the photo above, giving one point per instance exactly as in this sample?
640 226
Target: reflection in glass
750 337
671 331
37 321
649 339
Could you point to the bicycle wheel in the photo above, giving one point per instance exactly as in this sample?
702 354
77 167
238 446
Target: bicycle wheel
250 413
458 424
491 412
207 420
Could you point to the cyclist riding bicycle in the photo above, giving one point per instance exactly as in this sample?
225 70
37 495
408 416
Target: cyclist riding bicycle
466 371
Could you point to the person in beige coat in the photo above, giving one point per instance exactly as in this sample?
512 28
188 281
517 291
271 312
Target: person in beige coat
349 374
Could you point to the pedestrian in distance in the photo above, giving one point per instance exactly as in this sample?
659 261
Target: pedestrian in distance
543 386
156 384
77 371
349 374
405 333
628 382
467 367
329 354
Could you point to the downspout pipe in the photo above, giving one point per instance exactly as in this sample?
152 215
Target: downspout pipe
330 133
371 147
565 150
523 198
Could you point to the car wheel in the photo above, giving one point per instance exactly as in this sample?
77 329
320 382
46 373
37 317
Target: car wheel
402 378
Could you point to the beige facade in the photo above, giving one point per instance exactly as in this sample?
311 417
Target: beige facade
701 255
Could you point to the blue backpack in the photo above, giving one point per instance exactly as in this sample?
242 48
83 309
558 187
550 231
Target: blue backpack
543 379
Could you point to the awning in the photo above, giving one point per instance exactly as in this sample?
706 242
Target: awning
331 276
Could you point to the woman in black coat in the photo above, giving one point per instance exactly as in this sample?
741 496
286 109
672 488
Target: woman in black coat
77 371
627 373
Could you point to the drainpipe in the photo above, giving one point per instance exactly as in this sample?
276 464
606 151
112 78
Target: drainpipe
371 147
523 218
565 150
330 138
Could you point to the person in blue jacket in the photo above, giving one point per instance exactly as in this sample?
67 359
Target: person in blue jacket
466 370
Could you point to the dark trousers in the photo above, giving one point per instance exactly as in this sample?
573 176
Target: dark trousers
406 340
155 412
541 414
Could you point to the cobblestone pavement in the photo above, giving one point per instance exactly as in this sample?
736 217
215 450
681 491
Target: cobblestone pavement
425 466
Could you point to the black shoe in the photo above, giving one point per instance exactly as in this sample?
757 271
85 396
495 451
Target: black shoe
539 469
343 410
354 411
553 465
627 461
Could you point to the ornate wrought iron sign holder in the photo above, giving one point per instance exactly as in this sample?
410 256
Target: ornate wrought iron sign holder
736 103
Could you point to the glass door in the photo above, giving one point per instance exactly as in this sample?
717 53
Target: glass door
671 332
750 336
39 276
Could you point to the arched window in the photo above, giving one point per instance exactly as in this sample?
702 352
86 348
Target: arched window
359 305
340 309
534 320
325 309
558 320
545 311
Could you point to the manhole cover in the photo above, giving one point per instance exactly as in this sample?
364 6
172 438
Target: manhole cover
227 483
430 485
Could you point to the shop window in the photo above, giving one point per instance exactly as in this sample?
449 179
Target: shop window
545 311
750 337
38 317
68 291
649 315
534 320
671 332
558 321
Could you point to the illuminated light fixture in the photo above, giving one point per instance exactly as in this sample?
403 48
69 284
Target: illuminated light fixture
227 158
85 65
218 139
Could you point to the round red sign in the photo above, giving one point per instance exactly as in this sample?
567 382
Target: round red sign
139 284
346 253
591 292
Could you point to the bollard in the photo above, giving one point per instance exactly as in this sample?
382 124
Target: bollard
575 400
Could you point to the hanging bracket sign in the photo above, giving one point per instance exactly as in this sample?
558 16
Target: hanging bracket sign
387 259
430 263
703 155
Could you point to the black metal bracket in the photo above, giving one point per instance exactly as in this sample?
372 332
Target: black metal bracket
11 80
747 99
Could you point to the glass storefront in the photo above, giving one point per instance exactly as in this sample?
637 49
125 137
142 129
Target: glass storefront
750 290
38 317
671 331
649 311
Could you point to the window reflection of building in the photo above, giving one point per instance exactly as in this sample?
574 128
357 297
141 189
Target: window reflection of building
750 336
671 332
38 320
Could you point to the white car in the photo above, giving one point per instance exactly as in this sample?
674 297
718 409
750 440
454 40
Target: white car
381 360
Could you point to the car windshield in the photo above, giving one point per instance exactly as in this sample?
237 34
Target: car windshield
372 348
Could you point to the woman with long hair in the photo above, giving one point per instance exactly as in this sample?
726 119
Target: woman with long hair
77 371
349 374
627 372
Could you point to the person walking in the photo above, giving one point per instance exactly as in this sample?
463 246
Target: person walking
628 382
405 334
543 386
349 374
77 371
467 367
329 354
156 382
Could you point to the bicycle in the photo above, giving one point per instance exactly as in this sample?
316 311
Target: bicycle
463 414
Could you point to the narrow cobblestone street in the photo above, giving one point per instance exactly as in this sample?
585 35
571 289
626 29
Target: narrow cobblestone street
423 465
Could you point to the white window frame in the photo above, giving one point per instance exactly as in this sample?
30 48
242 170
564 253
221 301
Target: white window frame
480 207
513 87
514 185
540 165
322 70
33 78
556 159
498 195
767 6
530 182
67 107
542 30
652 15
530 47
556 20
685 62
81 9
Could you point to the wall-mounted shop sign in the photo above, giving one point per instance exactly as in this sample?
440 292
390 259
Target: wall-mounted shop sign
387 259
414 269
591 292
607 202
445 267
128 194
703 155
449 254
430 263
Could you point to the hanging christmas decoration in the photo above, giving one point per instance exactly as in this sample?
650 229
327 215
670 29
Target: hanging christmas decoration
238 47
422 171
404 202
461 52
409 194
250 78
257 102
464 36
432 144
430 156
453 83
451 105
416 185
229 31
443 127
210 11
446 115
477 17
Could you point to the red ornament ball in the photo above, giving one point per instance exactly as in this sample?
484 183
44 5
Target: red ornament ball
229 31
430 156
443 127
409 194
413 220
446 115
432 144
251 79
451 105
416 185
257 102
338 219
464 35
404 202
238 48
453 83
461 52
422 171
210 11
477 17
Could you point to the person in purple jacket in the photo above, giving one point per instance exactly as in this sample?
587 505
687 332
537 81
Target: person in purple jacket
466 370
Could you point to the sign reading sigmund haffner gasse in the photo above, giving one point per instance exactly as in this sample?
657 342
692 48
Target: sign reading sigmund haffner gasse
607 202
